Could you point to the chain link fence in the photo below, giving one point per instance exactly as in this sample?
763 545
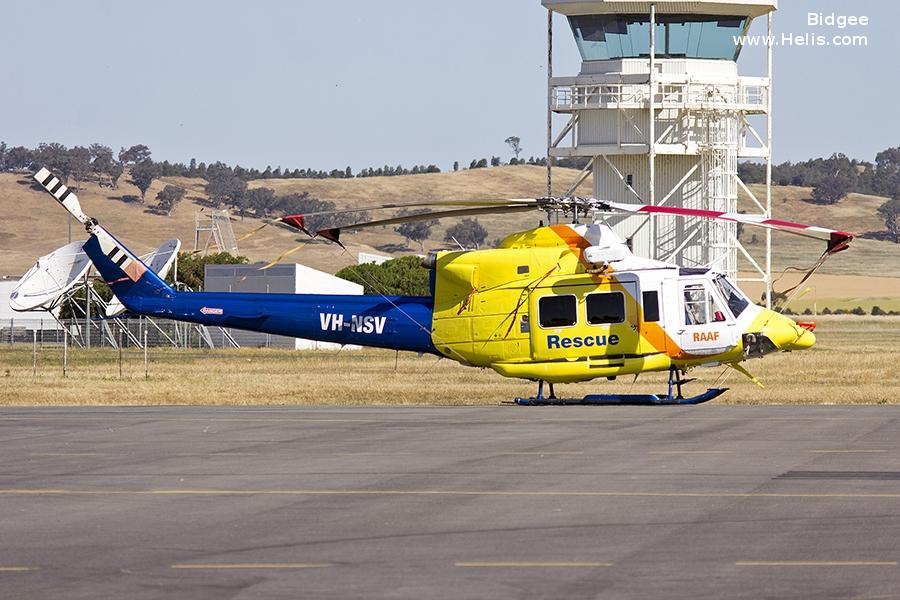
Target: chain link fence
131 332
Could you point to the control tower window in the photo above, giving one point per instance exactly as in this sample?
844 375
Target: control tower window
604 37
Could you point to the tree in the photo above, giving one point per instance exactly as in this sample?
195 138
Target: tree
134 155
398 277
456 165
831 189
261 200
169 197
468 232
751 172
495 161
18 158
79 164
887 173
890 210
101 160
55 157
115 171
143 174
515 144
222 185
416 230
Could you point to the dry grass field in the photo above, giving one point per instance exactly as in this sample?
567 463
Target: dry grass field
855 362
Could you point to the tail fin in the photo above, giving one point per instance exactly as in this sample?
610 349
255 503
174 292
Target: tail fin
126 275
129 278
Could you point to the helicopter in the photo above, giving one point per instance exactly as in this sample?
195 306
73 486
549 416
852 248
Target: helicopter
555 304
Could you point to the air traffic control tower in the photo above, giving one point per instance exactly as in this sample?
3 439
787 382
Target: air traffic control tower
663 116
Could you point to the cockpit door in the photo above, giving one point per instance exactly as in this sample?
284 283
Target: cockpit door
707 327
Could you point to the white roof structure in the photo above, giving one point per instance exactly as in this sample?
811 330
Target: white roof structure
747 8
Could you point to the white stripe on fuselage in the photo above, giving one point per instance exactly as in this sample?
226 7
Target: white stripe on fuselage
356 323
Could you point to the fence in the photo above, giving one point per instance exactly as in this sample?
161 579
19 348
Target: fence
111 333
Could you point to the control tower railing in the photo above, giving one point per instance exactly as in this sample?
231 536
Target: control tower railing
749 95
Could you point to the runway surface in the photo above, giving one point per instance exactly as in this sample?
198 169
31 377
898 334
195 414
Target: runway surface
505 502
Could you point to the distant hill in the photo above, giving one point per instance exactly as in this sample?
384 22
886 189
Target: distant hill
857 213
32 225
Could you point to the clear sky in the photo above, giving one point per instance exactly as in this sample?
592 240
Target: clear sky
328 84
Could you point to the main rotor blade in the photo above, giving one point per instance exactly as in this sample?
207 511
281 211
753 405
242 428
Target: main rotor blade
837 240
334 233
424 203
298 221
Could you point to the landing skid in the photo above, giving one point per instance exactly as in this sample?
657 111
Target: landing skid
624 399
668 399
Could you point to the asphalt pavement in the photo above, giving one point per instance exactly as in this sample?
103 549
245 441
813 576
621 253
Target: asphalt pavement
503 502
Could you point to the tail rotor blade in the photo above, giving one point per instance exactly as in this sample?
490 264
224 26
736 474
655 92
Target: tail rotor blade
56 188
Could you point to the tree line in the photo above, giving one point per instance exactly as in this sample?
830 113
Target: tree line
98 160
834 177
106 166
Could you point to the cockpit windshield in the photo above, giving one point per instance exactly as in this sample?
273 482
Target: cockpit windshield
735 299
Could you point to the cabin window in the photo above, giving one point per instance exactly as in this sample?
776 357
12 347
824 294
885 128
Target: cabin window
701 307
605 308
558 311
650 302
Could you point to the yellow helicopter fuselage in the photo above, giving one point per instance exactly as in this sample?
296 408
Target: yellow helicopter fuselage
537 308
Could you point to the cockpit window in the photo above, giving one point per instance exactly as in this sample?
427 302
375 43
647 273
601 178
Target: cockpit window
736 300
701 307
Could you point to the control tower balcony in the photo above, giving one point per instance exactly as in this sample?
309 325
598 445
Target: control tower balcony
749 95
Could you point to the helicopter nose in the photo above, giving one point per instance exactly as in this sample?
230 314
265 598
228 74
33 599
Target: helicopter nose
788 335
805 339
